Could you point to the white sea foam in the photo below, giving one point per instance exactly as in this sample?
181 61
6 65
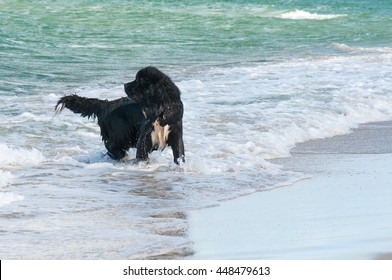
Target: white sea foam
300 15
269 108
347 48
11 156
8 198
5 178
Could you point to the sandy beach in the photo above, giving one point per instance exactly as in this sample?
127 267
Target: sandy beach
343 210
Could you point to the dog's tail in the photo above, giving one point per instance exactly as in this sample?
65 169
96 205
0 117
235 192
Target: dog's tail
86 107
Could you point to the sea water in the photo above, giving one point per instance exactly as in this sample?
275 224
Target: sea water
256 78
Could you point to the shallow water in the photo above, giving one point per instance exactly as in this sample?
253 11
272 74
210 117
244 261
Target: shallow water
255 78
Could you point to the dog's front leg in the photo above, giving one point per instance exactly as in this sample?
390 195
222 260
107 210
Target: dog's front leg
177 144
114 152
178 152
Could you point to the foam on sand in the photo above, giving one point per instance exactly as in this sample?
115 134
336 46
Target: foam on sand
342 212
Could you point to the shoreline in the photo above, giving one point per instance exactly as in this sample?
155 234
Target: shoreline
340 212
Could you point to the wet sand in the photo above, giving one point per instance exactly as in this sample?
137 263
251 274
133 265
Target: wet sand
343 210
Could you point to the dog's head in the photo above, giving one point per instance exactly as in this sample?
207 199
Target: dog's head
152 86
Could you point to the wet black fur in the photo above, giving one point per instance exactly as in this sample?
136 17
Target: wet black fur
128 122
119 120
160 99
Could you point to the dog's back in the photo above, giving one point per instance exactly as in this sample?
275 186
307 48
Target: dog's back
119 120
122 124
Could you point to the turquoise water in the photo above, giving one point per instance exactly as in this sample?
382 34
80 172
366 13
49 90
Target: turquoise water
67 43
257 77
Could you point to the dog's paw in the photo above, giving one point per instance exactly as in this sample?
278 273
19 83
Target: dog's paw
179 160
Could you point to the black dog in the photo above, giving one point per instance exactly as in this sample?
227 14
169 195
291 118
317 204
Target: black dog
150 119
120 120
160 101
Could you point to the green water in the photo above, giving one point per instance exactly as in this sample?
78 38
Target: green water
66 43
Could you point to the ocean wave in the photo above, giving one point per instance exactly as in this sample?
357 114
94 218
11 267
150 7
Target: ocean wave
323 97
347 48
19 156
299 14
